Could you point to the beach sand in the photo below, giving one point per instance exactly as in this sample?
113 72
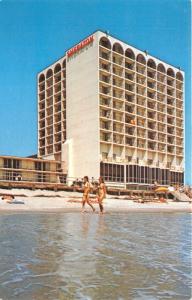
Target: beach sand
50 201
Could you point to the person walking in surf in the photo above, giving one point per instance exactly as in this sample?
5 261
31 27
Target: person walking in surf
87 188
101 194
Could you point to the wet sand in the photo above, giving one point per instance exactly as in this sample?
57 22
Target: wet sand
49 201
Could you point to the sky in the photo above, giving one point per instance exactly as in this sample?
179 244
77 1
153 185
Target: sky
35 33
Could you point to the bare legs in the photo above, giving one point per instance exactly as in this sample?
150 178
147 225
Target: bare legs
86 200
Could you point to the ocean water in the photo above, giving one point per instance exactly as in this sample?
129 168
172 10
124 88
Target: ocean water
87 256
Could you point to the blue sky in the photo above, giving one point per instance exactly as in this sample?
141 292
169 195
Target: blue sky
34 33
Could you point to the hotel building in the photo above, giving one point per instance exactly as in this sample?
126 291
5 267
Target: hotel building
109 109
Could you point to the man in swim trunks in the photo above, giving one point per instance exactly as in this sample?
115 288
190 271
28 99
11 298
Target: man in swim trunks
87 187
101 194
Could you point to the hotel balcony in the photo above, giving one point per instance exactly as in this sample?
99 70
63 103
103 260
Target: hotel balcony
118 139
161 107
152 125
130 109
152 145
129 76
141 144
141 111
49 130
49 149
171 120
57 128
130 98
179 104
42 134
104 66
141 91
179 114
57 98
49 82
130 130
141 133
170 149
161 98
179 95
179 152
130 120
42 143
162 138
57 78
105 78
151 85
49 102
179 141
170 92
179 132
170 111
151 95
105 113
118 105
105 101
118 94
161 128
171 130
141 80
118 128
104 54
57 147
130 141
118 83
170 101
151 115
130 66
141 101
41 87
42 124
151 74
141 121
42 115
118 117
141 69
105 90
50 121
42 96
129 87
42 105
179 85
49 140
161 147
161 77
118 60
160 88
118 71
57 117
170 82
151 104
50 92
151 135
179 123
57 108
170 139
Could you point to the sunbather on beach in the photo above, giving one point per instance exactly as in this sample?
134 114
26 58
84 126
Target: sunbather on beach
101 194
87 187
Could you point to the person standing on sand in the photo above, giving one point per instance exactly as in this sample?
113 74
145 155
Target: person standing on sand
101 194
87 187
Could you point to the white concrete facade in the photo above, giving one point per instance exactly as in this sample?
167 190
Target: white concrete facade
120 107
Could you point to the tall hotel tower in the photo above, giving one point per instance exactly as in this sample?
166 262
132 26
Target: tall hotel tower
109 109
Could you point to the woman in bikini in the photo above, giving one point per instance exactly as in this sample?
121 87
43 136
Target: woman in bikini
87 187
101 194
